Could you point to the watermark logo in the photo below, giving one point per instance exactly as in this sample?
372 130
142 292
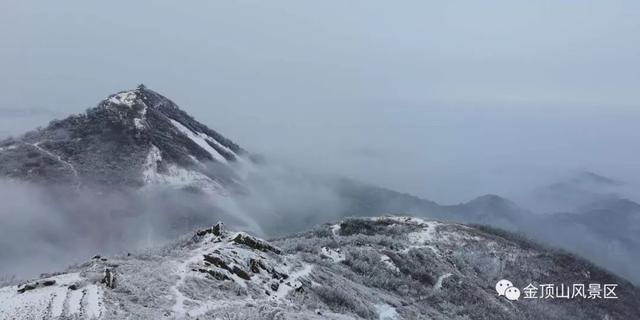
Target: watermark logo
505 288
502 286
512 293
591 291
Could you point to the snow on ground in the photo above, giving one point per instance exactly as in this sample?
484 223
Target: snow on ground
57 304
127 98
334 254
219 273
188 268
389 263
11 147
176 176
441 278
182 270
242 167
199 140
453 237
185 307
218 144
387 312
57 157
150 169
402 219
93 303
335 229
294 279
424 237
74 300
431 232
53 300
139 123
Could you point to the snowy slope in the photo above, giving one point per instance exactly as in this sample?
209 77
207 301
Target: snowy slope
66 295
379 268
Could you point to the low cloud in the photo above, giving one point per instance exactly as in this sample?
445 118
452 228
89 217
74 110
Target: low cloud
47 228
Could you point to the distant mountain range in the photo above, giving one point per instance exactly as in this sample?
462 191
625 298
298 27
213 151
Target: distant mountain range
605 230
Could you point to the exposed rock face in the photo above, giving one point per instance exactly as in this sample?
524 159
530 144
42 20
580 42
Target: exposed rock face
109 278
215 230
255 243
27 287
391 268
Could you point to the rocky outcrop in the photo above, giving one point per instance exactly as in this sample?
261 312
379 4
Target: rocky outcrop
255 243
109 278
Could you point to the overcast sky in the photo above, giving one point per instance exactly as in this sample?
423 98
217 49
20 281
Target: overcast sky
444 99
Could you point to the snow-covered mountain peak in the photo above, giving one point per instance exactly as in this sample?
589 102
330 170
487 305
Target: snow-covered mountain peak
130 97
133 138
139 98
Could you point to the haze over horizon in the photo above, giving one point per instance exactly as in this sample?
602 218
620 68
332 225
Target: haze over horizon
447 101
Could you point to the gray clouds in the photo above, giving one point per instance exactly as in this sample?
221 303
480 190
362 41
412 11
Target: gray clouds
462 98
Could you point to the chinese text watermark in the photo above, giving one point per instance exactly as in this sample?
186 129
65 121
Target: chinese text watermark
557 291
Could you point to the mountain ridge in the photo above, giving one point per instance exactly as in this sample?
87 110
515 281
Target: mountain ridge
393 267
